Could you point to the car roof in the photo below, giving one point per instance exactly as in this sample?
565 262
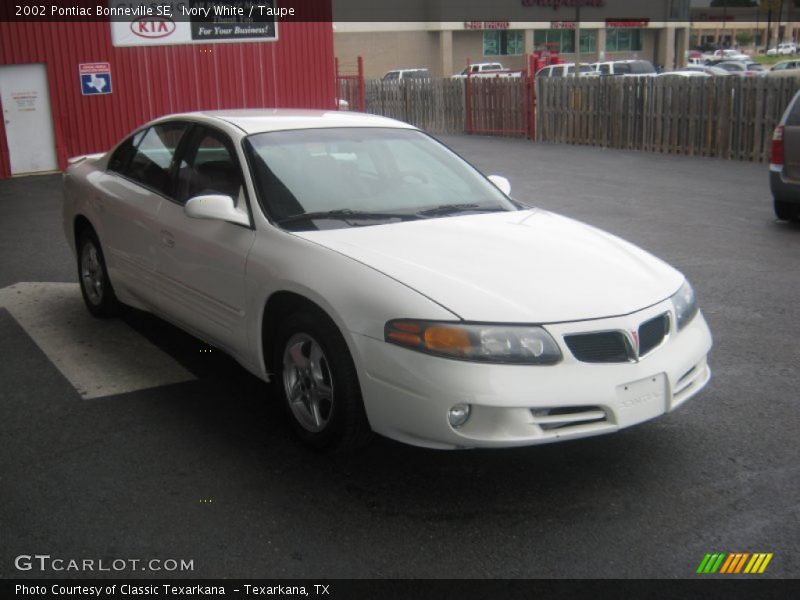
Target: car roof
617 62
280 119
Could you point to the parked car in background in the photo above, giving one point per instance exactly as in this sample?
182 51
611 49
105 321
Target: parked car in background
564 69
787 48
624 67
379 282
726 54
492 69
707 69
742 68
784 164
686 73
400 74
786 65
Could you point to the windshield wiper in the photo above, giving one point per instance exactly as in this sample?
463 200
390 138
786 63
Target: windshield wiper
345 214
448 209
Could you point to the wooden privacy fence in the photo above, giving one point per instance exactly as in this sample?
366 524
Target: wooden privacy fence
435 105
499 106
488 105
728 117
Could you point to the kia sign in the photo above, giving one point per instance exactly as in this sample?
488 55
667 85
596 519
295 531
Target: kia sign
153 27
196 22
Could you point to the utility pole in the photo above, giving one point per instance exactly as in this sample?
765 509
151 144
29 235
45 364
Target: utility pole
577 40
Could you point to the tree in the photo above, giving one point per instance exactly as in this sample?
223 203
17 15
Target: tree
744 38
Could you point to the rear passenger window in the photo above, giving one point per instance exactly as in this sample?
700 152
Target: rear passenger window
151 163
123 154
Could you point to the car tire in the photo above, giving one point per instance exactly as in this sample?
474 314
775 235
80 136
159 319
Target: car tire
318 384
96 289
786 211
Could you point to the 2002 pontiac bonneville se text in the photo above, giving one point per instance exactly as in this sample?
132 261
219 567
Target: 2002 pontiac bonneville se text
381 282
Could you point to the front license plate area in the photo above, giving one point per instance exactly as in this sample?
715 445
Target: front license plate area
641 400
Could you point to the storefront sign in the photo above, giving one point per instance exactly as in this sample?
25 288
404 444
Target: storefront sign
627 23
197 22
556 4
487 25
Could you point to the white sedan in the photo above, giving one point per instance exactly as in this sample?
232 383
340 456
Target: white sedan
380 282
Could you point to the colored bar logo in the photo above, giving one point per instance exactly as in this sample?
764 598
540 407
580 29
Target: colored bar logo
734 563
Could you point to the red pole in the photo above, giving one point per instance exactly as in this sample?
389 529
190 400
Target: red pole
361 89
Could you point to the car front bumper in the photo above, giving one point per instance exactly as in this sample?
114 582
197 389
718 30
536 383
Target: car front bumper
407 394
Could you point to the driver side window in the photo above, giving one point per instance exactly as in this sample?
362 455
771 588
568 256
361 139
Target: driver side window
210 168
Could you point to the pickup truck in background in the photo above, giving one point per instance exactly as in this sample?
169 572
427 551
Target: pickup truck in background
493 69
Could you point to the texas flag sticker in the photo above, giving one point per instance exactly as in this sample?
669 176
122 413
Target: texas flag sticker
95 78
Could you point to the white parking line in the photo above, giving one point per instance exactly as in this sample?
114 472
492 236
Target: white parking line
100 357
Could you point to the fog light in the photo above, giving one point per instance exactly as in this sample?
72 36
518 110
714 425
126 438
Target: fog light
458 415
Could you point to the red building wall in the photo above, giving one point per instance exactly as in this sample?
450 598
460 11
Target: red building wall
295 71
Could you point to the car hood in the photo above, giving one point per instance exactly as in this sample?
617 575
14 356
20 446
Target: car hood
527 266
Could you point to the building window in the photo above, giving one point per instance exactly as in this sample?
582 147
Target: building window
555 40
623 40
588 40
563 40
502 42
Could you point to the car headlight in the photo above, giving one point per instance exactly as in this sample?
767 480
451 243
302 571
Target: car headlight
492 343
685 305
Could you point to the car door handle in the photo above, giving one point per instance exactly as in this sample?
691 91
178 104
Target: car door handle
167 239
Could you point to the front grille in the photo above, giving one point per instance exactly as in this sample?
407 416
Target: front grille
613 346
652 332
603 347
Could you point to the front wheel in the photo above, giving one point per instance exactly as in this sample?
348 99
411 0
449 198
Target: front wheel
98 295
318 383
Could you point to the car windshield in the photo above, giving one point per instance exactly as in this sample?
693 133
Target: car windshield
310 179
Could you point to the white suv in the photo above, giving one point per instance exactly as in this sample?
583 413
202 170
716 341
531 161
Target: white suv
564 69
784 49
398 74
624 67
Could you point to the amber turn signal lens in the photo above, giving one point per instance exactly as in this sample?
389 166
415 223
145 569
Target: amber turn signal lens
401 337
451 340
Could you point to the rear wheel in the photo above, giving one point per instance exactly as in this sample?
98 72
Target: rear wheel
318 383
93 277
786 211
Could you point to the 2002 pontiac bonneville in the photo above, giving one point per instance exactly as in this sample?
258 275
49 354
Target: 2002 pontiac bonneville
381 282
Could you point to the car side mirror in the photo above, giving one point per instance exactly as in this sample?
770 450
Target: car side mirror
216 207
501 183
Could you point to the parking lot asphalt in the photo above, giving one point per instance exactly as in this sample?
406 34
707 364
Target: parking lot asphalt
201 464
